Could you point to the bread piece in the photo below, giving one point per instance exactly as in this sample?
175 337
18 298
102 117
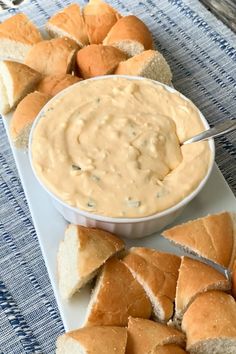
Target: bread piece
96 60
145 335
69 23
234 280
24 116
117 295
168 349
150 64
96 340
211 237
99 18
157 272
52 57
17 35
53 84
81 254
210 324
194 278
130 35
16 81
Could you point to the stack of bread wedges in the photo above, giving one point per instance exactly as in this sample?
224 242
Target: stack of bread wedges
88 42
164 304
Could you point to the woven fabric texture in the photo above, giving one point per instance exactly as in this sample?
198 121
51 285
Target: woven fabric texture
202 54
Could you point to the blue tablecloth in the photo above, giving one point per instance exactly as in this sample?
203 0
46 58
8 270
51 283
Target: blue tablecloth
202 54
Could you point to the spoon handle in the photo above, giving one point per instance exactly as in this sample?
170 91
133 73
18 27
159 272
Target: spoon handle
219 129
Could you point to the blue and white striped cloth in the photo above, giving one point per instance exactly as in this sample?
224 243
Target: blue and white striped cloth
202 55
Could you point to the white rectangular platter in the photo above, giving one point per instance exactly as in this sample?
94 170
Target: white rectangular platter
49 224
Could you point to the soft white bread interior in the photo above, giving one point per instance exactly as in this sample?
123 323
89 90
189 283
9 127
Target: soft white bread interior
145 335
17 80
53 84
24 116
168 349
17 35
194 278
81 254
96 340
69 23
234 280
99 19
157 272
150 64
212 237
52 57
210 324
130 35
97 59
117 295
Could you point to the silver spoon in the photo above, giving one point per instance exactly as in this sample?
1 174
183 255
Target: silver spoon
219 129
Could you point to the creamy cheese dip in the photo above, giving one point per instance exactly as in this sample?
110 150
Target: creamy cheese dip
112 147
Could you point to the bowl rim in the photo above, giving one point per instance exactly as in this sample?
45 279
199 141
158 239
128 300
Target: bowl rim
120 220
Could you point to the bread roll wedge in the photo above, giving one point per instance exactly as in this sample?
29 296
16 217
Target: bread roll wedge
150 64
117 295
157 273
145 335
194 278
96 60
53 84
130 35
16 81
210 324
168 349
99 18
96 340
69 23
24 116
234 280
82 252
211 237
52 57
17 35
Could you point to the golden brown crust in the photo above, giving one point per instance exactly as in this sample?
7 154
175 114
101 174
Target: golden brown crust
168 349
109 340
159 272
53 84
119 297
20 29
133 65
145 335
211 316
99 19
70 20
196 277
26 111
52 57
130 28
210 237
96 59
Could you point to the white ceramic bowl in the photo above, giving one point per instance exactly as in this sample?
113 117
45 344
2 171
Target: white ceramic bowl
127 227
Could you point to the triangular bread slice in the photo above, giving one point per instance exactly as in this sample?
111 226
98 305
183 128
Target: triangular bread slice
82 252
17 35
211 237
69 23
52 57
17 80
130 35
210 324
194 278
117 295
24 116
150 64
99 18
93 340
145 335
157 272
168 349
53 84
